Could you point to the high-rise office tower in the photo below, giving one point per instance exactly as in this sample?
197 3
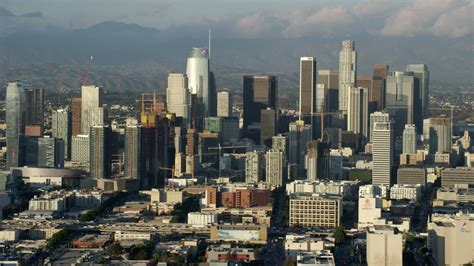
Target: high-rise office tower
80 150
401 100
177 96
50 152
76 106
274 167
298 136
224 104
280 142
260 93
377 117
61 128
308 76
409 139
133 156
254 166
200 81
311 162
437 132
347 71
330 79
268 126
357 111
377 95
34 107
99 151
382 150
15 122
91 100
423 74
321 98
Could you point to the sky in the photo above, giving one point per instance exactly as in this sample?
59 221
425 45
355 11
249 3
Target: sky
253 19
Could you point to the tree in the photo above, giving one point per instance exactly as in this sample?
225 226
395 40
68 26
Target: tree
115 249
58 238
339 235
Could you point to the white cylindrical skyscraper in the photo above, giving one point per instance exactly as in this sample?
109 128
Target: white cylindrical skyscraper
200 81
347 71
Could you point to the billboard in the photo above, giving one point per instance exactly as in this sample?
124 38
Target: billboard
239 235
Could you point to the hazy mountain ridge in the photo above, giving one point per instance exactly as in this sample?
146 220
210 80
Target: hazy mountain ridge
128 56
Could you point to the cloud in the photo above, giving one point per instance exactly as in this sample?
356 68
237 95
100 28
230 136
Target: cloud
258 24
430 17
326 21
455 23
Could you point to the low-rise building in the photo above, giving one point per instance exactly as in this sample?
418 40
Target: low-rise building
384 246
370 210
452 240
227 253
458 193
315 210
168 196
48 202
339 188
297 244
91 241
203 219
131 235
374 190
410 192
240 233
9 235
450 177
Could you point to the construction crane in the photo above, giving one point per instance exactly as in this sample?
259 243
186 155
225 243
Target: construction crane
451 109
220 148
322 115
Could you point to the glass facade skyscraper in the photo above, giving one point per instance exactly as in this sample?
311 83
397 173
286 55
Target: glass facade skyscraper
15 121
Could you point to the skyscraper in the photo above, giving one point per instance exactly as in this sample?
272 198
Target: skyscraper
254 166
438 132
308 76
347 71
357 111
133 153
80 150
76 116
401 100
383 148
260 93
50 152
330 80
224 104
423 74
34 107
298 136
274 167
377 117
15 122
200 81
377 95
268 126
91 100
409 139
177 96
99 151
61 124
280 142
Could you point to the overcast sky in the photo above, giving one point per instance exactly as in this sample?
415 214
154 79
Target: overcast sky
254 18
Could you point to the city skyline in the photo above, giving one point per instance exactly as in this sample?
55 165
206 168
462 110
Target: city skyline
265 150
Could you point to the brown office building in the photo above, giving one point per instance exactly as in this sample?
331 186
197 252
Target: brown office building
260 93
330 79
76 116
377 94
